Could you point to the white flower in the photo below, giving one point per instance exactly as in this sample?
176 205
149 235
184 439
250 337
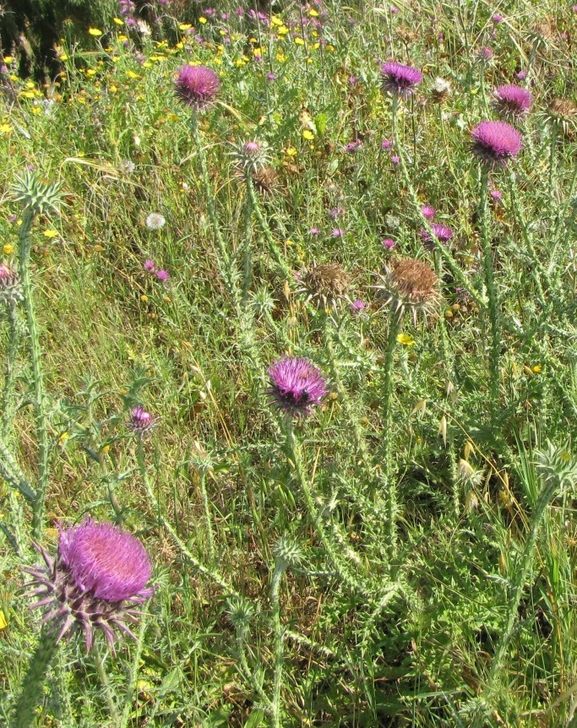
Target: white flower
155 221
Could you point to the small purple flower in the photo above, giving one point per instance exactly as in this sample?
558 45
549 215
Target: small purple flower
149 266
140 421
10 288
512 100
357 306
162 275
353 147
388 243
522 75
485 54
336 212
496 18
395 159
399 79
197 86
353 80
496 195
296 385
337 232
442 233
385 144
314 231
271 76
97 579
495 142
428 212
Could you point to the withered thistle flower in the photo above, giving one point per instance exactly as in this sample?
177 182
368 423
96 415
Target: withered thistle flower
96 580
409 285
265 180
495 142
296 386
562 115
197 86
10 289
325 284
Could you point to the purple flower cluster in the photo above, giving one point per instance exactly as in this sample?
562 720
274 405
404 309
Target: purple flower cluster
197 86
150 267
400 80
495 142
296 385
96 580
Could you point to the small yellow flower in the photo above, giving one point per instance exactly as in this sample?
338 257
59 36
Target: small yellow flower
281 58
95 32
307 134
64 436
313 13
8 60
118 21
291 152
131 74
283 30
105 449
405 339
144 298
202 20
8 249
63 56
122 38
299 41
185 26
90 72
3 620
275 20
289 242
5 128
50 233
537 368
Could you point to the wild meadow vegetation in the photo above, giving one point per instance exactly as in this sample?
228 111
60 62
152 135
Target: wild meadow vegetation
289 355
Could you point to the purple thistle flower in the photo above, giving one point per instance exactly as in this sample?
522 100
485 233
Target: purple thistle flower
337 232
97 578
399 79
296 385
496 18
485 54
140 421
197 86
10 288
357 306
495 142
388 243
428 212
149 266
512 100
162 275
496 195
442 233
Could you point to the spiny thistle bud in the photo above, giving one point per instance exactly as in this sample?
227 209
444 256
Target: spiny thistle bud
296 386
140 421
562 115
409 285
325 284
10 290
96 580
287 552
251 156
39 197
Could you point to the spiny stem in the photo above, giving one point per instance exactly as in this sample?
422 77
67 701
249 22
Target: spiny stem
494 314
133 674
103 677
212 574
24 244
9 380
279 570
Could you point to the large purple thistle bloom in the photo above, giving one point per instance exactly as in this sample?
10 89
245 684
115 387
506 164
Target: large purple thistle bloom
400 79
496 142
296 385
511 100
197 86
96 580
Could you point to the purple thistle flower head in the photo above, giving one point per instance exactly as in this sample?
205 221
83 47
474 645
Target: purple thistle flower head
428 212
162 275
495 142
442 233
140 421
512 101
399 79
357 306
10 288
149 266
296 385
197 86
97 579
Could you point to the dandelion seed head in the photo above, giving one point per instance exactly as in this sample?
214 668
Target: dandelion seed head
155 221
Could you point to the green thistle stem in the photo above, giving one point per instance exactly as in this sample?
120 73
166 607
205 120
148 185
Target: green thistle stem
103 677
456 272
207 515
279 570
282 268
212 574
133 675
24 245
9 380
10 471
494 315
391 488
32 687
293 452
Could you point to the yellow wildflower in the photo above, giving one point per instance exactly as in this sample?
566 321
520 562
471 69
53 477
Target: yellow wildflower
95 32
405 339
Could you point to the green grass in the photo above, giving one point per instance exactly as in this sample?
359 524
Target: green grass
459 611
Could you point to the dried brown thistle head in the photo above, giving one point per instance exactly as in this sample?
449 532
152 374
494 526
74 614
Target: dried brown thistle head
326 284
409 285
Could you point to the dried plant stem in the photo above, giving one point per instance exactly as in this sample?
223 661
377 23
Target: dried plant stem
24 244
